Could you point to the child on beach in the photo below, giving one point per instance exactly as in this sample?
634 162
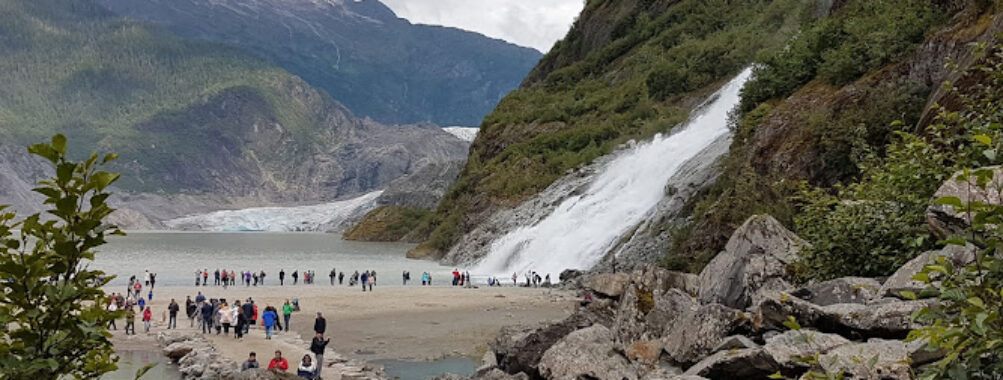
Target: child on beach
147 317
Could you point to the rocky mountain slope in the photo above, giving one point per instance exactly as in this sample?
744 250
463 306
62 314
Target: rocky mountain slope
198 126
360 52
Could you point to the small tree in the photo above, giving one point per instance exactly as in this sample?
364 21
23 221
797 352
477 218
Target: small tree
52 317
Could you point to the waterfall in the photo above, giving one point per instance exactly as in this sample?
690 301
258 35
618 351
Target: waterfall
579 232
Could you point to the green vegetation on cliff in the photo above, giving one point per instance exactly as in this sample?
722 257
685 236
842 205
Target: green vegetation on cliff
392 223
835 141
627 69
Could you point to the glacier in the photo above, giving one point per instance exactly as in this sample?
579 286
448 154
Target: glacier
314 218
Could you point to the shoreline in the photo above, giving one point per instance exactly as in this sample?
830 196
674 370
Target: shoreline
411 323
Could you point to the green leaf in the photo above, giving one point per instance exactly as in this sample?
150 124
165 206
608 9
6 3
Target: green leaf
59 143
144 370
986 140
103 179
908 295
950 201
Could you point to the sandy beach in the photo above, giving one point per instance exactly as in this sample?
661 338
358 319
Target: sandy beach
393 322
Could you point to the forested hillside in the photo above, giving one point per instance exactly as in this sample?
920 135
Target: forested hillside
192 118
626 70
360 52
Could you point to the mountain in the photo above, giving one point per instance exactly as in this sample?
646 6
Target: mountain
198 126
360 52
626 70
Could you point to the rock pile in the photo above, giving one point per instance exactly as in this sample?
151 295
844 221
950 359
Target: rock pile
726 323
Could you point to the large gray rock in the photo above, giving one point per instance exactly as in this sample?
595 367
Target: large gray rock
889 318
840 290
902 279
264 374
178 350
890 360
746 363
945 220
520 348
607 284
695 333
754 260
787 347
586 353
634 323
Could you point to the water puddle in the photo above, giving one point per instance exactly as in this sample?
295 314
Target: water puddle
132 361
409 370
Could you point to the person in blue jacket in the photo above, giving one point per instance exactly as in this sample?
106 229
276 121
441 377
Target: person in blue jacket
269 317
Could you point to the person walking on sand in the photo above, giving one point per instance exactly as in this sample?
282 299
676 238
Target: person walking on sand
153 280
332 275
206 311
147 317
317 346
341 278
173 309
278 362
249 314
287 312
225 318
130 321
282 277
205 276
241 322
295 277
251 362
319 324
268 318
112 308
372 280
307 368
365 279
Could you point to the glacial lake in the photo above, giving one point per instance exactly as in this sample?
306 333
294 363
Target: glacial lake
175 256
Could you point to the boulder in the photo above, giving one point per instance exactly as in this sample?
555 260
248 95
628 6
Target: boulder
945 220
607 284
637 320
586 353
787 347
645 352
488 362
662 373
569 275
177 350
902 279
890 360
695 333
840 290
520 348
660 280
263 374
735 342
754 260
887 318
746 363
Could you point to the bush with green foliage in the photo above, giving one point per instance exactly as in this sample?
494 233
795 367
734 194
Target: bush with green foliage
52 317
861 37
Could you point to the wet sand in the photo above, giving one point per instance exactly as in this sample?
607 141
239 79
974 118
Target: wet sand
407 323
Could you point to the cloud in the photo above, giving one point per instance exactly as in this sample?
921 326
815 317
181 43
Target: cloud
534 23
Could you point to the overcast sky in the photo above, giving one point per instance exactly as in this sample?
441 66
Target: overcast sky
533 23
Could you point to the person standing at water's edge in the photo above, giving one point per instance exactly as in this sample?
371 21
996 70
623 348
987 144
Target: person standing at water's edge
295 277
282 277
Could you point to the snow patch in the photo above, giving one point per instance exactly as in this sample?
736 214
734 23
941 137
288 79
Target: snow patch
463 133
319 218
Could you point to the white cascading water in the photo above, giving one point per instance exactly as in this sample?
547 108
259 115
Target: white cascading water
582 229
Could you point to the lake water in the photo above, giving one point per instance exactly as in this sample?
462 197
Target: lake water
175 256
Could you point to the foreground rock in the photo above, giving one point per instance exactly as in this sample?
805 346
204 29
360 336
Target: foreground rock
754 260
840 290
902 279
585 353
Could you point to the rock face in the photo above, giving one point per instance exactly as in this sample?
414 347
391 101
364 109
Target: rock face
754 260
890 358
423 188
520 348
607 284
585 354
902 279
840 290
945 220
696 332
786 348
746 363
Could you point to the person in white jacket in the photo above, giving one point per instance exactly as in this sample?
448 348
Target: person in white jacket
225 318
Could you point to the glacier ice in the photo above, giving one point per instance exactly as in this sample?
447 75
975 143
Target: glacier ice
321 217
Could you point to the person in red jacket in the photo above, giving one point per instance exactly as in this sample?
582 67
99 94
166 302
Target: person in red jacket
278 362
147 317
